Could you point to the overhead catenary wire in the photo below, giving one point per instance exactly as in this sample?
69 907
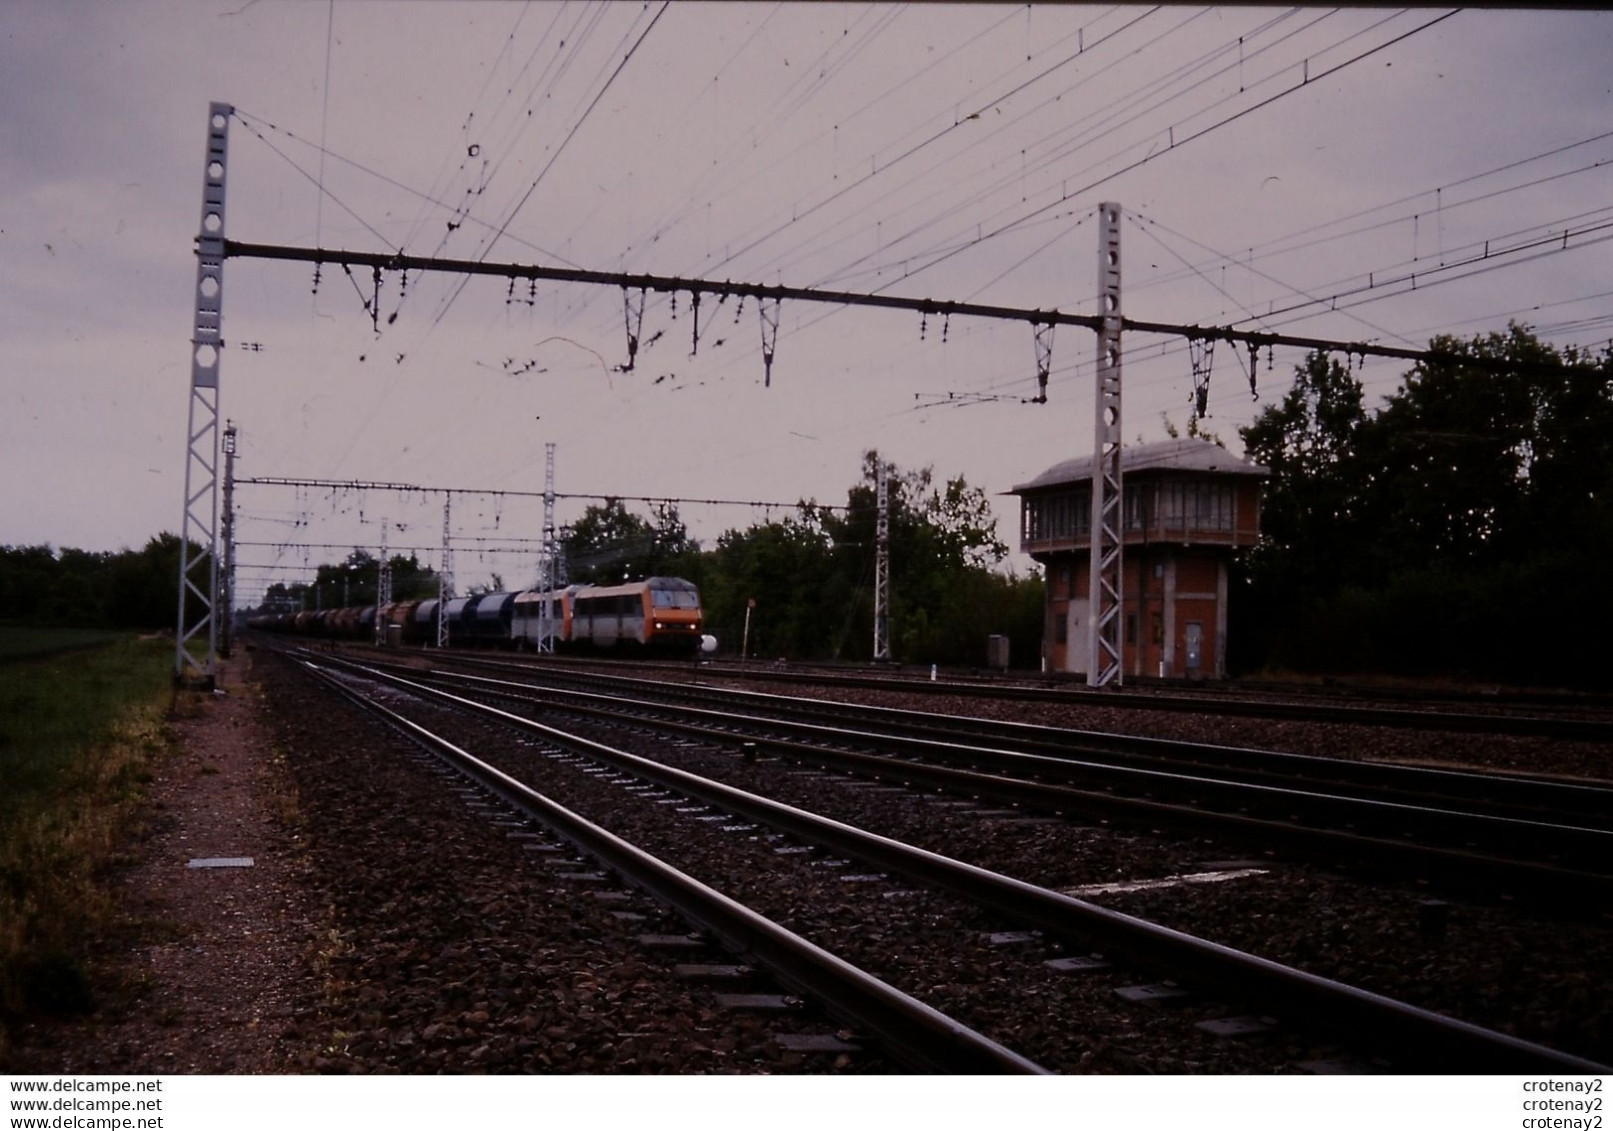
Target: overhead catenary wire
1280 245
960 241
324 121
1259 253
464 129
1147 224
697 191
570 45
1066 194
890 91
323 191
501 492
906 154
966 243
709 310
1004 180
559 150
771 121
882 170
1404 278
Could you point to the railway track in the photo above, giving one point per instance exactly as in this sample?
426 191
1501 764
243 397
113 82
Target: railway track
923 1037
1560 718
1039 919
1502 794
1545 841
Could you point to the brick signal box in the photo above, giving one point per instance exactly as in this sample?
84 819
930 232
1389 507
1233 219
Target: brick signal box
1188 505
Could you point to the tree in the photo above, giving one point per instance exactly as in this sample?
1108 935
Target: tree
1309 441
940 538
282 598
1492 464
1458 441
410 579
354 581
610 543
1459 530
142 586
788 569
27 574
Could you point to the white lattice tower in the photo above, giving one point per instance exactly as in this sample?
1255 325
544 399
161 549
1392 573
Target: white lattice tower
546 562
383 586
882 562
445 579
226 590
1104 593
198 530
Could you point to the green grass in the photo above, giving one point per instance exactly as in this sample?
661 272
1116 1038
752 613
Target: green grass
79 732
57 708
19 642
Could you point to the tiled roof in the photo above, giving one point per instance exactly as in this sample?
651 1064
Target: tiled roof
1174 455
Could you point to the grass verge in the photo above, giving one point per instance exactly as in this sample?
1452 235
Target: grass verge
21 642
79 734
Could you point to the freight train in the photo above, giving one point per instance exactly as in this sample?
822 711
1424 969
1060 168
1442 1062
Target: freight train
657 614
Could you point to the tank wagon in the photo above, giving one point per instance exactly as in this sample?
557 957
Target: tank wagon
423 623
487 622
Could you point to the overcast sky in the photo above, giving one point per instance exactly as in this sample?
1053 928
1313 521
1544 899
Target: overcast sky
1284 169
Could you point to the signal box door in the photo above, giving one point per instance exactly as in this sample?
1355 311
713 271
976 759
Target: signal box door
1195 648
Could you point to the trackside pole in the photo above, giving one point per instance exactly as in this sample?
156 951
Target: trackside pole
198 530
1104 592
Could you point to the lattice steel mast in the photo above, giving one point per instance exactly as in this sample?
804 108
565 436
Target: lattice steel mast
1104 592
198 530
226 592
383 585
546 562
445 579
882 563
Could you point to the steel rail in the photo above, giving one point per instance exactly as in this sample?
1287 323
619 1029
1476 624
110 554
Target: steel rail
927 1038
1595 844
1587 730
1420 1037
1557 888
1524 795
